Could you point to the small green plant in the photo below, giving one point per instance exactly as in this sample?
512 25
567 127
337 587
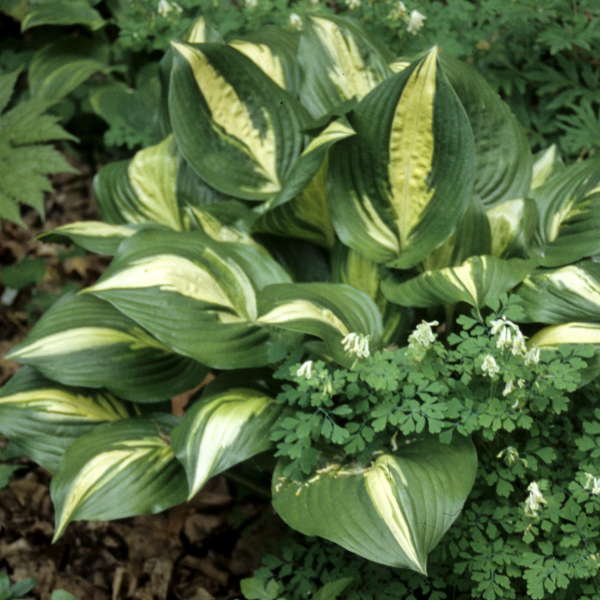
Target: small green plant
14 591
385 284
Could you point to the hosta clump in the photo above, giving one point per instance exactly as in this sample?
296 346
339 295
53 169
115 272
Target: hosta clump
316 203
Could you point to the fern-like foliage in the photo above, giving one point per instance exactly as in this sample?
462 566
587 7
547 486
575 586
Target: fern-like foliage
25 160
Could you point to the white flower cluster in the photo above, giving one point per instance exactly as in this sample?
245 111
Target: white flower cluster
352 4
510 456
305 369
592 484
251 4
414 21
423 335
489 366
534 501
296 21
509 336
357 344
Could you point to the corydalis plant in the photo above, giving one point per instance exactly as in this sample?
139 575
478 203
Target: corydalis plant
308 198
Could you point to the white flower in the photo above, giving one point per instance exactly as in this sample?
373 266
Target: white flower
166 6
305 369
532 356
509 336
489 366
423 335
314 2
519 348
508 387
415 21
251 4
357 344
535 500
509 454
353 4
399 12
592 484
296 21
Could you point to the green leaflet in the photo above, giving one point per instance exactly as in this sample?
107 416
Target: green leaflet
329 311
478 281
569 208
44 418
142 190
59 12
197 296
95 236
117 470
392 200
394 511
556 296
222 430
82 340
503 158
241 118
341 64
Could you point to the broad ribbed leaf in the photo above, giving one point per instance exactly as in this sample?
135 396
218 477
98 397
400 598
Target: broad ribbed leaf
142 190
82 340
503 158
567 333
479 281
560 295
62 65
569 207
197 296
59 12
95 236
44 418
222 430
117 470
545 164
341 64
399 187
513 224
329 311
394 512
225 110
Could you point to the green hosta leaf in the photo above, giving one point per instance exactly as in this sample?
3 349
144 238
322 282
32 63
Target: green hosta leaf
329 311
61 66
117 470
399 187
197 296
59 12
142 190
394 512
479 281
45 418
545 165
503 158
222 430
567 294
241 118
85 341
513 224
95 236
341 64
569 207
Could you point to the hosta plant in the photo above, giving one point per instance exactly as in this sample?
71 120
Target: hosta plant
316 217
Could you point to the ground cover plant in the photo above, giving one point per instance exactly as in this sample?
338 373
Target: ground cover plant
378 286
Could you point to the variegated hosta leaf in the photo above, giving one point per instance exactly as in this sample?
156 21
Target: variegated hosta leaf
196 295
570 293
545 164
82 340
117 470
274 52
399 187
567 333
225 110
142 190
394 512
569 207
513 225
341 64
44 418
222 430
503 158
95 236
329 311
479 281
